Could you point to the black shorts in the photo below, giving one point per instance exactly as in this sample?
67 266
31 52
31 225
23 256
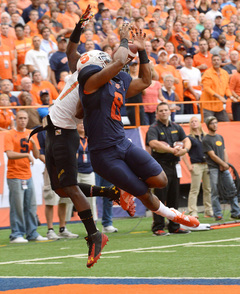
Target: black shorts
61 161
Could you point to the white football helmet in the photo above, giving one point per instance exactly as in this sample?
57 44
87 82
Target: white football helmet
94 57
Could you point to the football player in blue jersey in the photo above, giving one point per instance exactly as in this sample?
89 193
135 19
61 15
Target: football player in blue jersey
103 88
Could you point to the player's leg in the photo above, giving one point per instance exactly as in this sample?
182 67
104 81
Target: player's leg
62 167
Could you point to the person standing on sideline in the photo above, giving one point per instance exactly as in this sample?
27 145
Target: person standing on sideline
199 170
86 174
103 87
217 160
162 137
23 206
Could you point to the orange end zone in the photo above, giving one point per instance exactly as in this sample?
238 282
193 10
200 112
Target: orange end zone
130 289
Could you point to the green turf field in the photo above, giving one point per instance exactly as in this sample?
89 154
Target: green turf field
132 252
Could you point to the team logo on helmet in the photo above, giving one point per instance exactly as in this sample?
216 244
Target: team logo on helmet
94 57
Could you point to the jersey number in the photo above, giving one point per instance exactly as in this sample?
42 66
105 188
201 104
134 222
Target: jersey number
116 105
24 146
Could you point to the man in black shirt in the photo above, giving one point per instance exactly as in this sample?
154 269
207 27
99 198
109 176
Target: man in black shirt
162 137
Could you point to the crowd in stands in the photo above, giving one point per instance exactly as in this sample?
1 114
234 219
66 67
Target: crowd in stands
193 47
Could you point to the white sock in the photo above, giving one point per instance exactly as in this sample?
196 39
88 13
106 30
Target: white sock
165 211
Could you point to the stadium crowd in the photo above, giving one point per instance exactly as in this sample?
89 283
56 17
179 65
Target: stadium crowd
193 47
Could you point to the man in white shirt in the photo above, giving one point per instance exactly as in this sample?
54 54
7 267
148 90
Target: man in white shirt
211 14
47 44
37 59
191 80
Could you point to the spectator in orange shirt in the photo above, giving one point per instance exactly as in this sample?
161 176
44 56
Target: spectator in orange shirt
215 82
33 15
62 82
6 39
23 207
163 68
70 18
203 59
6 115
230 35
8 68
235 88
177 36
27 31
38 85
22 72
22 44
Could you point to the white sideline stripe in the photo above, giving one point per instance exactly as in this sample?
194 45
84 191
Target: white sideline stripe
121 251
154 251
40 262
122 278
214 245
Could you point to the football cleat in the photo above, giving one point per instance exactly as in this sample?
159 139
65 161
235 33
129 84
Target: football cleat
186 220
95 243
126 201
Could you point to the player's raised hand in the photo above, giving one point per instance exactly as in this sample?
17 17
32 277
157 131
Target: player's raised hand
138 38
86 16
124 31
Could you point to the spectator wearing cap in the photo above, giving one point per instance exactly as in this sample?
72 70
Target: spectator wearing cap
214 11
163 68
105 14
47 45
215 82
181 51
154 53
89 36
34 6
45 98
221 45
203 59
188 6
33 18
58 61
37 59
217 29
194 12
176 35
69 18
192 84
38 85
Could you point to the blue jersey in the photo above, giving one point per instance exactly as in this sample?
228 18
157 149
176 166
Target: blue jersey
102 118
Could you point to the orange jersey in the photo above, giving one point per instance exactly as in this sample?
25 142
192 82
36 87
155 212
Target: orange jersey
22 47
199 59
69 21
6 117
45 85
8 41
61 85
162 71
83 4
18 142
214 83
174 40
231 39
33 27
95 38
6 58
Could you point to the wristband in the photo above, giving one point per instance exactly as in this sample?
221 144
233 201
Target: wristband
124 43
143 57
75 36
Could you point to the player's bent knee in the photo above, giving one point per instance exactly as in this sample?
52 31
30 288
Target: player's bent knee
160 181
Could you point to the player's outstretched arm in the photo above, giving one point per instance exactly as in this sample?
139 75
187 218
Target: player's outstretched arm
102 77
71 52
145 75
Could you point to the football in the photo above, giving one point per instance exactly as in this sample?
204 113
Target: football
132 52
